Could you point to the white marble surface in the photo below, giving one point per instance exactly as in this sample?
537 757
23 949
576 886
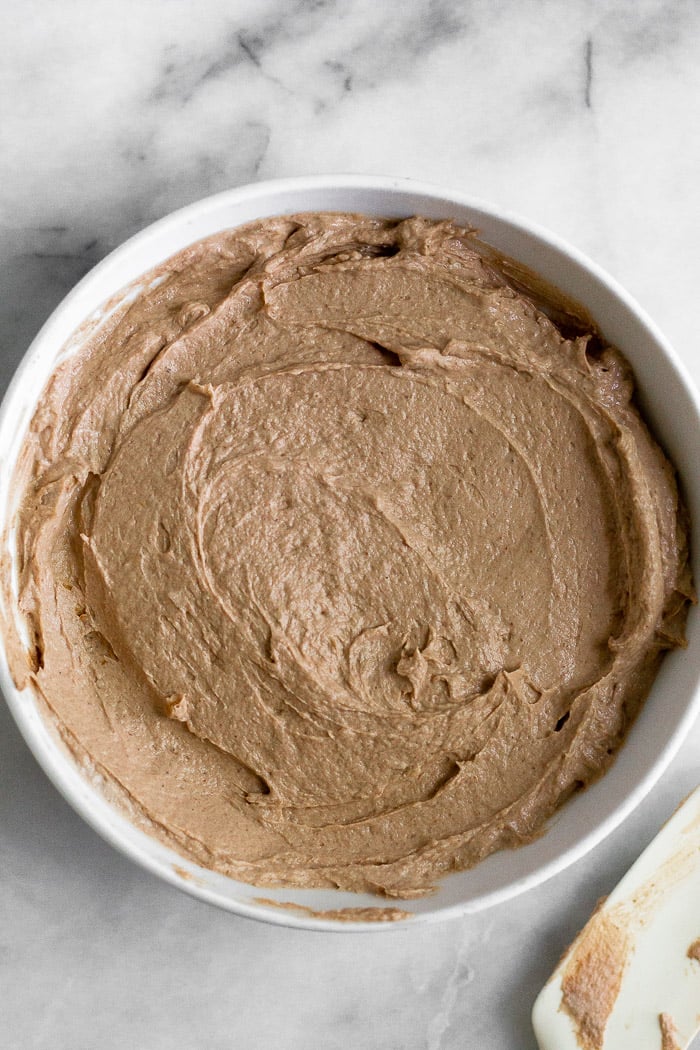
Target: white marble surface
579 114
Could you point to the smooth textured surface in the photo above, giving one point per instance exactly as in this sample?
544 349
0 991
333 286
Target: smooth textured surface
113 121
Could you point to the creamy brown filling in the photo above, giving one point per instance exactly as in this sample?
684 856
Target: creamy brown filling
339 561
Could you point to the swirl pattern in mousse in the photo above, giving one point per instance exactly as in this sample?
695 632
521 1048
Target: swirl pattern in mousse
343 560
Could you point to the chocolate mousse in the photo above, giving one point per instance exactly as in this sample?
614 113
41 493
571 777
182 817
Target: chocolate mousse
343 560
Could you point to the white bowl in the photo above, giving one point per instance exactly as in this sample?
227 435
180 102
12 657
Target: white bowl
669 402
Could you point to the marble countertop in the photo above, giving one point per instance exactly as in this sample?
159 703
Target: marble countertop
579 115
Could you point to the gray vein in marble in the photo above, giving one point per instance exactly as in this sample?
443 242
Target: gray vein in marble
62 250
386 48
263 132
251 46
459 975
341 71
182 78
588 60
85 252
404 41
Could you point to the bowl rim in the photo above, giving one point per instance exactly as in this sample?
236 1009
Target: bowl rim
47 750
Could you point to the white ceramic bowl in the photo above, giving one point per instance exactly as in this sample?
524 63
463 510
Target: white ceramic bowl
668 399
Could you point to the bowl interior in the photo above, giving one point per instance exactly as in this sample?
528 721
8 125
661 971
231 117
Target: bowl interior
669 403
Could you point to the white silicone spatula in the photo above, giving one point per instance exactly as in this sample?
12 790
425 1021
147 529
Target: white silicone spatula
631 979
